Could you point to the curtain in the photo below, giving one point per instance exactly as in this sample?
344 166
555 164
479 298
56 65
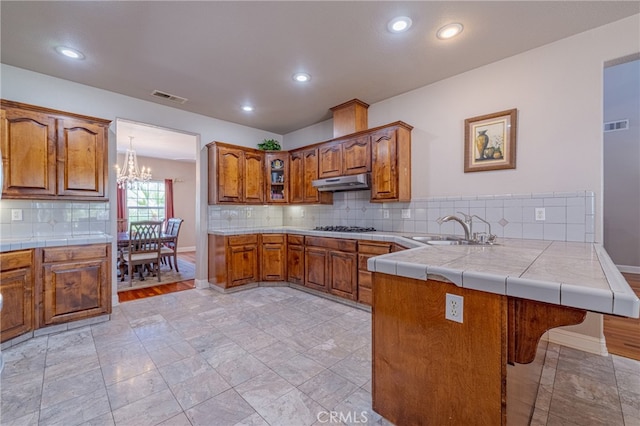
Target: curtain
168 199
122 210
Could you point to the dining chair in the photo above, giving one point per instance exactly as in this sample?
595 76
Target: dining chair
170 241
144 248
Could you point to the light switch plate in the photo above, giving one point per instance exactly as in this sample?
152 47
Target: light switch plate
16 214
406 213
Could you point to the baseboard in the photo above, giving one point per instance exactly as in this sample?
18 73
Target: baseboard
182 249
201 283
629 269
578 341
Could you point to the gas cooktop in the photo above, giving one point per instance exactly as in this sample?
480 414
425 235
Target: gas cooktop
344 229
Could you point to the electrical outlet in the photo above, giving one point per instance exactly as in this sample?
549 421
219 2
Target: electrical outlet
248 213
540 213
16 214
406 213
385 213
301 212
453 307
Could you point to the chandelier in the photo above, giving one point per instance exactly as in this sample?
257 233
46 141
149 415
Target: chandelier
130 176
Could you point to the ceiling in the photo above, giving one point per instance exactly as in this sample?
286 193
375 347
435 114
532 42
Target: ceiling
222 55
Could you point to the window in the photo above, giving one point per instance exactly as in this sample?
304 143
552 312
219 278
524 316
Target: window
146 202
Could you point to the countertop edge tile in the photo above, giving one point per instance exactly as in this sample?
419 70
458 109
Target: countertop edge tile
541 291
452 275
591 299
484 282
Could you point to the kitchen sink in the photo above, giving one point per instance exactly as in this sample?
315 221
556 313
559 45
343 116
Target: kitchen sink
437 238
448 242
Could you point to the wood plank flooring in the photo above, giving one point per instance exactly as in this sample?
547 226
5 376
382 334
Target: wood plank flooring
140 293
623 334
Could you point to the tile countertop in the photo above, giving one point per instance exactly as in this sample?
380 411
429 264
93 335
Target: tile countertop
21 243
580 275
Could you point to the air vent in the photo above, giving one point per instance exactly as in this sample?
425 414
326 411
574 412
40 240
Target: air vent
614 126
167 96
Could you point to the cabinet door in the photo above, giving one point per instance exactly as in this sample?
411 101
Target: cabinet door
81 158
242 266
28 153
295 264
384 174
343 274
277 177
310 168
230 165
74 290
253 181
315 266
273 258
330 161
16 317
356 157
296 181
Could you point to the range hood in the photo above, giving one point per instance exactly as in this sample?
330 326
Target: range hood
343 183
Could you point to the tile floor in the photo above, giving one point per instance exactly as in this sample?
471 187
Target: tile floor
265 356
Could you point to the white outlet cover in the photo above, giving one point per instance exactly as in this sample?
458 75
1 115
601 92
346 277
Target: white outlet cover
406 213
16 214
540 213
454 306
385 213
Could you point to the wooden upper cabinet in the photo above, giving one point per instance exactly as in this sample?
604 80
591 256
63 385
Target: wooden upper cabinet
230 171
296 180
356 155
28 153
391 164
277 177
236 174
304 168
81 155
48 153
330 160
253 179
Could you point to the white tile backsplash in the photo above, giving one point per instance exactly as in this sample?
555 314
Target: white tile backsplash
570 216
53 218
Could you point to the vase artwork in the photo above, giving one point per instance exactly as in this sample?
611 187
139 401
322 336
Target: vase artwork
482 140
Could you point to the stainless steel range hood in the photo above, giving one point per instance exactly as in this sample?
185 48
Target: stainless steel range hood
343 183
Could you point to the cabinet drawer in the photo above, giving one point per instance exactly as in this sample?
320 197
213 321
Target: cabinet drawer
272 238
362 261
369 247
332 243
15 259
63 254
295 239
237 240
364 279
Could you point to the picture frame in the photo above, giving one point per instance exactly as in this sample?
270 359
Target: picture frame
490 141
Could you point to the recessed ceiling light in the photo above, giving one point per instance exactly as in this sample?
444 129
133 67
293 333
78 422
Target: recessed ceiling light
247 108
301 77
399 24
69 52
449 31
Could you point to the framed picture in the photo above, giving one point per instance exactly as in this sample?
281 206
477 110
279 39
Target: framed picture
490 141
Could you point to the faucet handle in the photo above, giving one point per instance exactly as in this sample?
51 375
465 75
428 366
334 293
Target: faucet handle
467 218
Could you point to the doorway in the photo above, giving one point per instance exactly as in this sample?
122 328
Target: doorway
621 191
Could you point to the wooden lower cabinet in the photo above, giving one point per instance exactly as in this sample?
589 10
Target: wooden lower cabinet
295 259
242 260
331 266
273 257
16 286
366 250
76 283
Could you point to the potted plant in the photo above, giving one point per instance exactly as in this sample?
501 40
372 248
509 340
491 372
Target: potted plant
269 145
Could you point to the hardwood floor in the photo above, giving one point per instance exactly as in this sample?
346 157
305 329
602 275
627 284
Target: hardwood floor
140 293
623 334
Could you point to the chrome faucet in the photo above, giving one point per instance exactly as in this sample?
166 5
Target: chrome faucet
466 223
484 238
